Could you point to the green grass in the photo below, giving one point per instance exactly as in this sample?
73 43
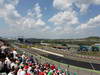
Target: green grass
90 53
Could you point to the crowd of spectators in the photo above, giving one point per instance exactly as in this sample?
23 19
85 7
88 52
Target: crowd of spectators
12 63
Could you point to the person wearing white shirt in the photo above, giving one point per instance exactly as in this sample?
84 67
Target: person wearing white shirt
19 72
13 65
22 72
8 62
14 54
11 72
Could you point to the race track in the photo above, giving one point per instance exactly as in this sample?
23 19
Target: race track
74 62
62 59
65 60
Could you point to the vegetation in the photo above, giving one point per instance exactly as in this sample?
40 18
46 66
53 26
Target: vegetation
90 53
64 42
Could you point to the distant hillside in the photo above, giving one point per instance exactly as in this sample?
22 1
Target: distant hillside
93 38
82 41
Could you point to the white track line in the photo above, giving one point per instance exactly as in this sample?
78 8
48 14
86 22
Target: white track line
47 52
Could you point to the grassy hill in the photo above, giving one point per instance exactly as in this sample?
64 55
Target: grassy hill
81 41
93 38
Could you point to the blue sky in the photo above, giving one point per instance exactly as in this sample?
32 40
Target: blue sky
49 18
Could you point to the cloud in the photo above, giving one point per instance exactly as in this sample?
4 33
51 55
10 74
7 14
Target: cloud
9 13
46 29
97 2
37 10
83 5
1 2
80 29
85 29
33 19
40 22
62 4
92 23
64 21
64 17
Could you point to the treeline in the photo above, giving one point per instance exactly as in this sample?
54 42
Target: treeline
86 42
63 42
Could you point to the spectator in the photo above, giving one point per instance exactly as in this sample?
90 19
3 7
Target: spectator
14 53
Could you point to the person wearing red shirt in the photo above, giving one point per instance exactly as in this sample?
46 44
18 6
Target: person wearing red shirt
52 67
42 73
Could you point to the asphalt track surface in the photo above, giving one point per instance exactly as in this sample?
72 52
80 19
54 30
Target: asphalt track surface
74 62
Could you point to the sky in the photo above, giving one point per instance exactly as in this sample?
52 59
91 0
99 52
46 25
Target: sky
49 18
